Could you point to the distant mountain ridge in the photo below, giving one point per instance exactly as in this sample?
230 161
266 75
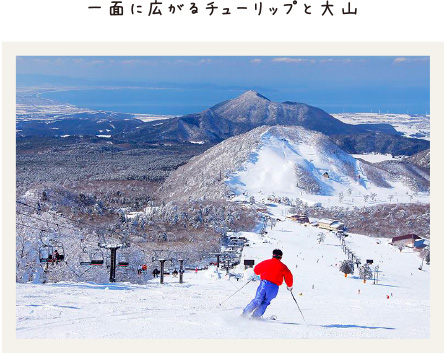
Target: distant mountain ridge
239 115
251 110
224 120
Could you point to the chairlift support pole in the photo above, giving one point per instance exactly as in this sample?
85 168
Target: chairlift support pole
162 269
376 275
217 257
113 248
112 271
181 271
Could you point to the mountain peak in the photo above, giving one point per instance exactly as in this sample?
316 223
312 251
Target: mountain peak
252 94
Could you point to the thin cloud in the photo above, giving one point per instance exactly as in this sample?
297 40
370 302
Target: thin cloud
342 60
135 62
256 61
40 60
402 60
195 62
292 60
78 60
97 62
399 60
209 61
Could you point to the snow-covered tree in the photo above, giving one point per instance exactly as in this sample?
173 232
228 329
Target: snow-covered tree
425 254
272 222
321 237
347 267
341 197
28 267
400 246
365 271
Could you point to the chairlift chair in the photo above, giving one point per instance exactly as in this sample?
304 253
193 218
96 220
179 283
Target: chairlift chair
46 252
84 258
96 256
123 261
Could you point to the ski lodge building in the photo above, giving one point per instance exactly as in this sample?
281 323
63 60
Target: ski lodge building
408 240
421 243
302 219
332 225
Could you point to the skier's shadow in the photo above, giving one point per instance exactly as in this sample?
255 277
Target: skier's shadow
291 323
354 326
338 326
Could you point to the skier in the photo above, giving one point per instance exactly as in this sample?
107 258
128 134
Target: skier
272 273
55 257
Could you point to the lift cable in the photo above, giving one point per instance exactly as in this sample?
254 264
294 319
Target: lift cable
64 217
32 227
56 214
45 221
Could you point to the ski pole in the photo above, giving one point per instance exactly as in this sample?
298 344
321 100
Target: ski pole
236 291
291 292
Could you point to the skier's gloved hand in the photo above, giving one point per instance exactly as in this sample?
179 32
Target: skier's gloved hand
289 288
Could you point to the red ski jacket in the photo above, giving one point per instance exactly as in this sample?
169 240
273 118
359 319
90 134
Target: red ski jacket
275 271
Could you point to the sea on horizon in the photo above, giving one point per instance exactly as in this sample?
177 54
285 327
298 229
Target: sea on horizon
182 101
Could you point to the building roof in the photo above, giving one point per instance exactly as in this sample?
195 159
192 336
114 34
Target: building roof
327 221
405 237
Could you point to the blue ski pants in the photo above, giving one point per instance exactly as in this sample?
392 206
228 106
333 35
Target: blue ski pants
266 292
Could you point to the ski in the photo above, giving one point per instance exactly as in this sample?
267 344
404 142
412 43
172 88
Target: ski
269 318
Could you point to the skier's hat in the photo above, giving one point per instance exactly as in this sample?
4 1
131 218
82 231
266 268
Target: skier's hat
277 253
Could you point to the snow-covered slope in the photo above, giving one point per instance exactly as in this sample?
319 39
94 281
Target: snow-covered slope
292 162
398 307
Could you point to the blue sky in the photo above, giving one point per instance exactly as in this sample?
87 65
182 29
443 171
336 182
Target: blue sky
398 84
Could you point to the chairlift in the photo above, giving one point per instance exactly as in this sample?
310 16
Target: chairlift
84 258
96 256
123 261
52 252
90 255
45 254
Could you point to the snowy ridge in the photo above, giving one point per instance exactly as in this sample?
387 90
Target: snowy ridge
421 159
293 162
203 176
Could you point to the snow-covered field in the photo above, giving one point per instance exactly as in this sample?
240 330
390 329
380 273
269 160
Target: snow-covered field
413 126
373 158
334 306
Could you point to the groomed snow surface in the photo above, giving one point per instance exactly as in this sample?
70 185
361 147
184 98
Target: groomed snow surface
334 306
